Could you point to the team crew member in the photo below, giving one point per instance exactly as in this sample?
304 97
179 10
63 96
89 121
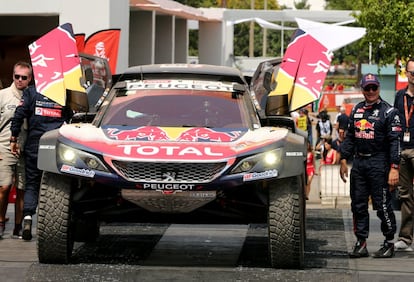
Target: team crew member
11 165
42 115
404 103
374 137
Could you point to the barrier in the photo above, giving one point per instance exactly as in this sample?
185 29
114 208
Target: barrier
333 191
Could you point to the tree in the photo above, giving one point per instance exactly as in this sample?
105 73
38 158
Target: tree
340 4
390 28
301 5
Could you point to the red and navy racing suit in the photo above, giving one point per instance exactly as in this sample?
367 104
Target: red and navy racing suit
42 114
373 138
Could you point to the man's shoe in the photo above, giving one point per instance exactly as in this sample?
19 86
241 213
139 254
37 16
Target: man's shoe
360 250
402 246
386 251
27 228
17 233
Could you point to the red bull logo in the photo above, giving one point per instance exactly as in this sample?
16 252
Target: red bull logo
143 133
207 134
364 129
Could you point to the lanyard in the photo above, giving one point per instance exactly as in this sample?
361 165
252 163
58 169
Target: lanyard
408 115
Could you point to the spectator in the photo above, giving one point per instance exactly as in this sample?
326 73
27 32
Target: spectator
339 87
310 169
302 121
11 165
337 143
341 120
309 126
404 100
329 153
42 115
374 138
323 127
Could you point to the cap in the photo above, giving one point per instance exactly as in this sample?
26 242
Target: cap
368 79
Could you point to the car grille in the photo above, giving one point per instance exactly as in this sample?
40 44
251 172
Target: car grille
169 172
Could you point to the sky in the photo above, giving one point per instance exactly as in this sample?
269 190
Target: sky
314 4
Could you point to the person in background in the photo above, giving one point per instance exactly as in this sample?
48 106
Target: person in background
373 137
42 115
404 100
323 127
11 165
310 169
341 120
337 143
309 126
302 121
329 153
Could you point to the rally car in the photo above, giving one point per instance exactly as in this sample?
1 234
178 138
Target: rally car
174 143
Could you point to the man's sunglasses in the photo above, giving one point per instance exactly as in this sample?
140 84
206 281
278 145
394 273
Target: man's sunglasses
410 72
370 87
23 77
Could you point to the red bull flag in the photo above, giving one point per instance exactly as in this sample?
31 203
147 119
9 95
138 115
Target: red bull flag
56 64
307 59
104 44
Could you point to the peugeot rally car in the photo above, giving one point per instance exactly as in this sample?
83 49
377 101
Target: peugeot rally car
174 143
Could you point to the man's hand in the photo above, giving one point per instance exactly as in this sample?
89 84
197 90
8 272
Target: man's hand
393 177
343 170
15 149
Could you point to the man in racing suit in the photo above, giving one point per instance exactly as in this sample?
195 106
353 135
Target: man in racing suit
42 115
373 139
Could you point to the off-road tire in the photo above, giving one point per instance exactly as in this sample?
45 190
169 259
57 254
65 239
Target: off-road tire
55 240
286 223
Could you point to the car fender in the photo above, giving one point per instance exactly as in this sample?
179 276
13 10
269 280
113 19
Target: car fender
46 160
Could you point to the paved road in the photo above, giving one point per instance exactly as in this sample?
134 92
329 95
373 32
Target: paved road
156 252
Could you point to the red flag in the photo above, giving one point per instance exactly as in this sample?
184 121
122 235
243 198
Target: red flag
80 41
56 64
303 70
104 44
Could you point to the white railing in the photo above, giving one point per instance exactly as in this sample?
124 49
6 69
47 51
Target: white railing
333 191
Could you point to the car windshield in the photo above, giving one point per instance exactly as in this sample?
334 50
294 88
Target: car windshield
178 108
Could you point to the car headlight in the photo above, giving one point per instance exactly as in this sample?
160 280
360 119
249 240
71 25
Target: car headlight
78 158
260 162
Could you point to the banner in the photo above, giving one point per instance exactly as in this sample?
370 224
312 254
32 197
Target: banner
56 64
104 44
80 42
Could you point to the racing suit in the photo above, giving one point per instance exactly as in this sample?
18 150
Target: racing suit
373 138
42 114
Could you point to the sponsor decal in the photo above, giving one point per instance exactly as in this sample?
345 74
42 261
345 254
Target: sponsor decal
148 150
56 113
181 84
364 129
77 171
47 147
153 133
260 175
294 154
168 186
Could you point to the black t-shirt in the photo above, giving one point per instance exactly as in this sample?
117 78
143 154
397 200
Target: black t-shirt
343 121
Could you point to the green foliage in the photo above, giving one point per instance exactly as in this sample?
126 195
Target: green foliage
340 4
390 28
301 5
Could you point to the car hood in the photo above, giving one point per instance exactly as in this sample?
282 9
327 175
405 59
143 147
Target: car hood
169 143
